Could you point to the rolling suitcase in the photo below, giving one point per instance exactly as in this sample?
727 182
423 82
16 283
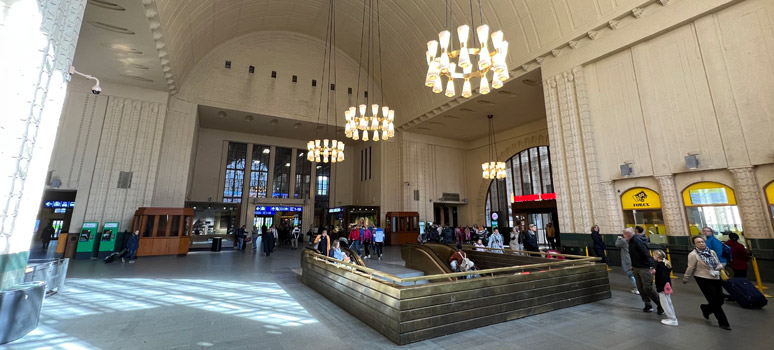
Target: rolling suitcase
113 256
744 293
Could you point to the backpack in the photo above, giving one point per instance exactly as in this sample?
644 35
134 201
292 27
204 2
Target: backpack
727 252
467 264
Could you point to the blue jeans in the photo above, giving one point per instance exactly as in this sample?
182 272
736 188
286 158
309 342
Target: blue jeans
240 243
356 245
130 254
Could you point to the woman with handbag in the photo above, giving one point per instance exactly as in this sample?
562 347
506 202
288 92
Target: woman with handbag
664 287
704 266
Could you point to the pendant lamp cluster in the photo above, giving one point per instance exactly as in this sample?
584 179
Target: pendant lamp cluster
443 65
368 121
327 150
493 169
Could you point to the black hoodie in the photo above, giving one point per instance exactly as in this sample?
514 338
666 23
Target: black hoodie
638 250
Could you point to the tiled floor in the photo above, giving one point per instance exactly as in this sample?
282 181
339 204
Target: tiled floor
241 300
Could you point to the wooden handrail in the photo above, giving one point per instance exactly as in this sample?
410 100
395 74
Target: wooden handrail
531 252
583 260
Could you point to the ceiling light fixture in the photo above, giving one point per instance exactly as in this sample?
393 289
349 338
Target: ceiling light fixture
443 66
493 169
368 119
327 150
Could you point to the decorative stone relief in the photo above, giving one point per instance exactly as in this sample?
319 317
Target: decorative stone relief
664 2
748 199
556 53
672 207
586 138
614 215
613 24
592 34
525 67
573 44
540 59
556 140
637 12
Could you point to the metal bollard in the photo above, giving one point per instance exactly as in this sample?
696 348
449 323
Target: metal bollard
669 257
758 277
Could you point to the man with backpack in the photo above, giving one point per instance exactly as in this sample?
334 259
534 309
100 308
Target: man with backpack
713 243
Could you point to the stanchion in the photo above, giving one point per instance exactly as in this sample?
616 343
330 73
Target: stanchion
608 266
758 277
669 257
587 251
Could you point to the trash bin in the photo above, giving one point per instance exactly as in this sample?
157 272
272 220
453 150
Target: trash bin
217 244
20 310
70 247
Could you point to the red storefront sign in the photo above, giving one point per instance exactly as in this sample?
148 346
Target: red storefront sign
534 197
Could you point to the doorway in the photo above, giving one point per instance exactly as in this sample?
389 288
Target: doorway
445 215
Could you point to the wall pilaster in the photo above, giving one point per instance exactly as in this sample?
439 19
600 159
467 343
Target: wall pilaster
672 206
748 199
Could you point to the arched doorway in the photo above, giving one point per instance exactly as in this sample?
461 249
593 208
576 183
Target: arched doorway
713 205
526 195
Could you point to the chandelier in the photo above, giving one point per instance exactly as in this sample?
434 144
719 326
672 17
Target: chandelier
326 149
493 169
368 121
443 65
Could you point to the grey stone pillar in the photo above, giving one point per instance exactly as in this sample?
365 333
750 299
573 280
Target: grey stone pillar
672 206
748 199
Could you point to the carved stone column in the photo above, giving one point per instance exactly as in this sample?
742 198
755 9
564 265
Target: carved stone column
672 207
748 199
598 213
556 141
610 207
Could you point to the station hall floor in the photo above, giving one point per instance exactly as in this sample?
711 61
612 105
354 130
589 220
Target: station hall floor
243 300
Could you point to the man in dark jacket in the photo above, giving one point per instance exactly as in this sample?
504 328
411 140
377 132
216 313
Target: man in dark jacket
47 234
530 239
599 244
643 268
131 247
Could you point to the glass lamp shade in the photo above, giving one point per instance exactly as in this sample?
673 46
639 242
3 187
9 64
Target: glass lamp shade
385 111
484 86
385 134
391 115
466 90
483 33
432 48
443 39
450 88
356 135
438 85
365 135
497 39
497 83
362 110
444 63
376 135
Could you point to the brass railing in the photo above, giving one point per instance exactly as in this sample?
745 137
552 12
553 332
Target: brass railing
575 262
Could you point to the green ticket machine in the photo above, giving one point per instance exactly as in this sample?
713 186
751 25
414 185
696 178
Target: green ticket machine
107 241
86 240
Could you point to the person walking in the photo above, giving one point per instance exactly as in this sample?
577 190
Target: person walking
275 236
714 244
458 237
294 238
323 242
643 268
239 237
496 241
704 266
551 235
530 239
664 287
354 239
367 238
267 238
254 237
740 255
131 247
47 235
378 241
626 262
599 244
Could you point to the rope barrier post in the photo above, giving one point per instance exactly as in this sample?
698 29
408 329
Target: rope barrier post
606 265
587 251
758 277
669 257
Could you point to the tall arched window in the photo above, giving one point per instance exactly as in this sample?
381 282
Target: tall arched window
527 173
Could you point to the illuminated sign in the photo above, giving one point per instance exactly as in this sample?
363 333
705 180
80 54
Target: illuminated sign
59 204
640 198
534 197
271 210
60 210
495 216
709 196
335 210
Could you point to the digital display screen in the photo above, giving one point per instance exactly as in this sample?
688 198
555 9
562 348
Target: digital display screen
271 210
709 196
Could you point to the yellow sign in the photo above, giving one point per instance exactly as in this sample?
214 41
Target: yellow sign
770 193
708 193
640 198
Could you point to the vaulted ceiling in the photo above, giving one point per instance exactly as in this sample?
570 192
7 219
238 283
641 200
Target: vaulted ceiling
192 28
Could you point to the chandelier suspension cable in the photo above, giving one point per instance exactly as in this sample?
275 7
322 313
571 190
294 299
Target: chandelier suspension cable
322 81
379 36
360 56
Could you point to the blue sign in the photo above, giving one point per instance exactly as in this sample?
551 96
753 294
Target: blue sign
59 204
271 210
335 210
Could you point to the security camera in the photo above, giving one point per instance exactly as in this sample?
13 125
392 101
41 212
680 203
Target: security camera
94 89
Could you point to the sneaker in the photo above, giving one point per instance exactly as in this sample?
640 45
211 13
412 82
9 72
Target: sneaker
131 261
728 328
669 322
635 291
647 308
123 260
660 311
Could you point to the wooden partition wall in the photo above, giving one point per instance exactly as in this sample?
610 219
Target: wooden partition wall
402 227
163 231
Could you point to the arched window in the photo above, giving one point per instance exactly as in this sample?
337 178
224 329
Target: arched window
527 173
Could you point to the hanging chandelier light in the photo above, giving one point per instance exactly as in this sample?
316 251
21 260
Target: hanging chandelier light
368 121
327 150
465 69
493 169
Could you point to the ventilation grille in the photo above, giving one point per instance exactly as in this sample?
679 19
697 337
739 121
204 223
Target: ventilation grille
125 179
450 197
416 195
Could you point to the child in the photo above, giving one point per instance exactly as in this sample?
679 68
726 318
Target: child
664 287
478 245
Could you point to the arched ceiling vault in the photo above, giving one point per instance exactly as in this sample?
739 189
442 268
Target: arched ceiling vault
192 28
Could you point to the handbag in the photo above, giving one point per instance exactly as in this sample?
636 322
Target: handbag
724 275
668 288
